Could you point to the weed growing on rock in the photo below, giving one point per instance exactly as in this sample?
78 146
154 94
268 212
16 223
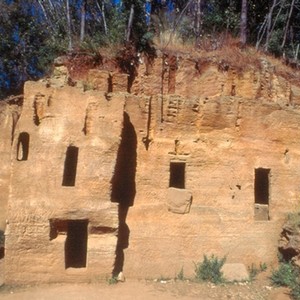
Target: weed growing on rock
285 275
254 271
180 275
288 275
210 269
112 280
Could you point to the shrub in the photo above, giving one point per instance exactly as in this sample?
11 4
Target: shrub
112 280
210 269
285 275
295 292
288 275
254 271
180 275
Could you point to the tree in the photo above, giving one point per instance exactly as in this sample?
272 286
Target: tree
243 31
287 24
198 20
82 22
24 51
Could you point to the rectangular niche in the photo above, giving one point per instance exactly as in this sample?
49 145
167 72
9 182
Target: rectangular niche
177 175
23 146
70 167
261 194
76 244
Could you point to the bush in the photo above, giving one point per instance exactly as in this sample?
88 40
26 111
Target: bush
210 269
295 292
112 280
288 275
180 275
254 271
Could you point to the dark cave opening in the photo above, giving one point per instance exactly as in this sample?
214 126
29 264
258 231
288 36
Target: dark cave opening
177 175
23 146
76 244
261 186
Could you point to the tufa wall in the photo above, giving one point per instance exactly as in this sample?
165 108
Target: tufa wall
147 175
60 217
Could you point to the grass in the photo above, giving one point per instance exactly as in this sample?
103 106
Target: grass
180 275
294 220
210 269
253 270
287 275
225 50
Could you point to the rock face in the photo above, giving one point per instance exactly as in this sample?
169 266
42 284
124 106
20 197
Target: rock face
9 115
60 215
147 176
289 243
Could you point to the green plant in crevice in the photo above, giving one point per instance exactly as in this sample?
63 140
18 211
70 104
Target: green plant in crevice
180 275
210 269
253 270
112 280
288 275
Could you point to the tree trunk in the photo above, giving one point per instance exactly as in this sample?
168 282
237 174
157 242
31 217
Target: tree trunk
243 24
104 19
269 23
287 25
82 21
130 21
70 46
198 21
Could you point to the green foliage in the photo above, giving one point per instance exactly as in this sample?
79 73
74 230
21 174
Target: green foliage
263 267
210 269
26 47
116 27
295 291
253 270
139 26
112 280
186 30
286 275
180 275
294 220
275 41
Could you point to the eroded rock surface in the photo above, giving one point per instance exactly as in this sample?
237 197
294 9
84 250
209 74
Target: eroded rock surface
289 243
93 163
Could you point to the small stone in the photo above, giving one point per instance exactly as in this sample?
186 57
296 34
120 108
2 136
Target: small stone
121 277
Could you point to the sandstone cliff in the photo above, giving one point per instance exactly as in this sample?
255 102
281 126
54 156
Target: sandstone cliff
184 157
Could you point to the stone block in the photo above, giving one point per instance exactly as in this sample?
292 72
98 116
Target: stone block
235 272
261 212
99 80
179 200
119 82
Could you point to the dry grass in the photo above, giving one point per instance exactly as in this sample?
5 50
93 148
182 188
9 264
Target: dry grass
225 50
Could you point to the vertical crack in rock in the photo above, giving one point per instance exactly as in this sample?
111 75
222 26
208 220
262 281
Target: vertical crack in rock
89 118
38 106
238 116
147 140
172 74
15 117
165 68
